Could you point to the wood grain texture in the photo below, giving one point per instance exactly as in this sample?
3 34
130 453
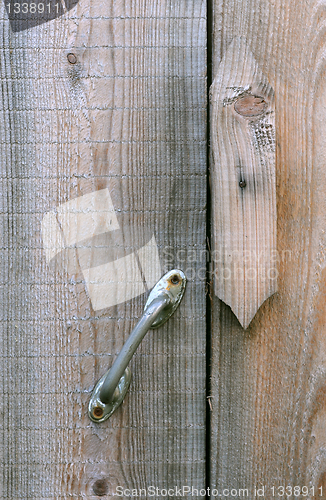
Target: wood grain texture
243 183
268 419
130 117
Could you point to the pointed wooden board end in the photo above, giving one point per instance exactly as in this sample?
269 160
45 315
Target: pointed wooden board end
243 183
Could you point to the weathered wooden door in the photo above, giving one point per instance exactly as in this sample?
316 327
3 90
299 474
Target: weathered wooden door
104 120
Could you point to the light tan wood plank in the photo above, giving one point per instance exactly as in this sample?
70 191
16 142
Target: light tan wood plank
268 420
243 183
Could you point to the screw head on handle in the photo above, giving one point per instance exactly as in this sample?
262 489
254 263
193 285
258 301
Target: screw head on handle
173 284
99 411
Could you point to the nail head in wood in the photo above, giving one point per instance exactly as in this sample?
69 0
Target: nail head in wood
100 487
72 58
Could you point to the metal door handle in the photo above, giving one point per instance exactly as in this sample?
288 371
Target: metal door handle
111 389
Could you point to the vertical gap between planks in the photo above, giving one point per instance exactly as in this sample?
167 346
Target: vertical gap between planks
209 290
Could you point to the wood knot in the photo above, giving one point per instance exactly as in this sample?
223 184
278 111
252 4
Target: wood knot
250 105
100 487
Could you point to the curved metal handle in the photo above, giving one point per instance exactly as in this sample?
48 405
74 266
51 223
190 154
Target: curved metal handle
111 389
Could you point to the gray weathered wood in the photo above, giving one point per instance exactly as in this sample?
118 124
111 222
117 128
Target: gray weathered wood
129 116
268 419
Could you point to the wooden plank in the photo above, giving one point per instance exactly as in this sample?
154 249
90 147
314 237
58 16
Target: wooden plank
128 117
268 384
243 183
